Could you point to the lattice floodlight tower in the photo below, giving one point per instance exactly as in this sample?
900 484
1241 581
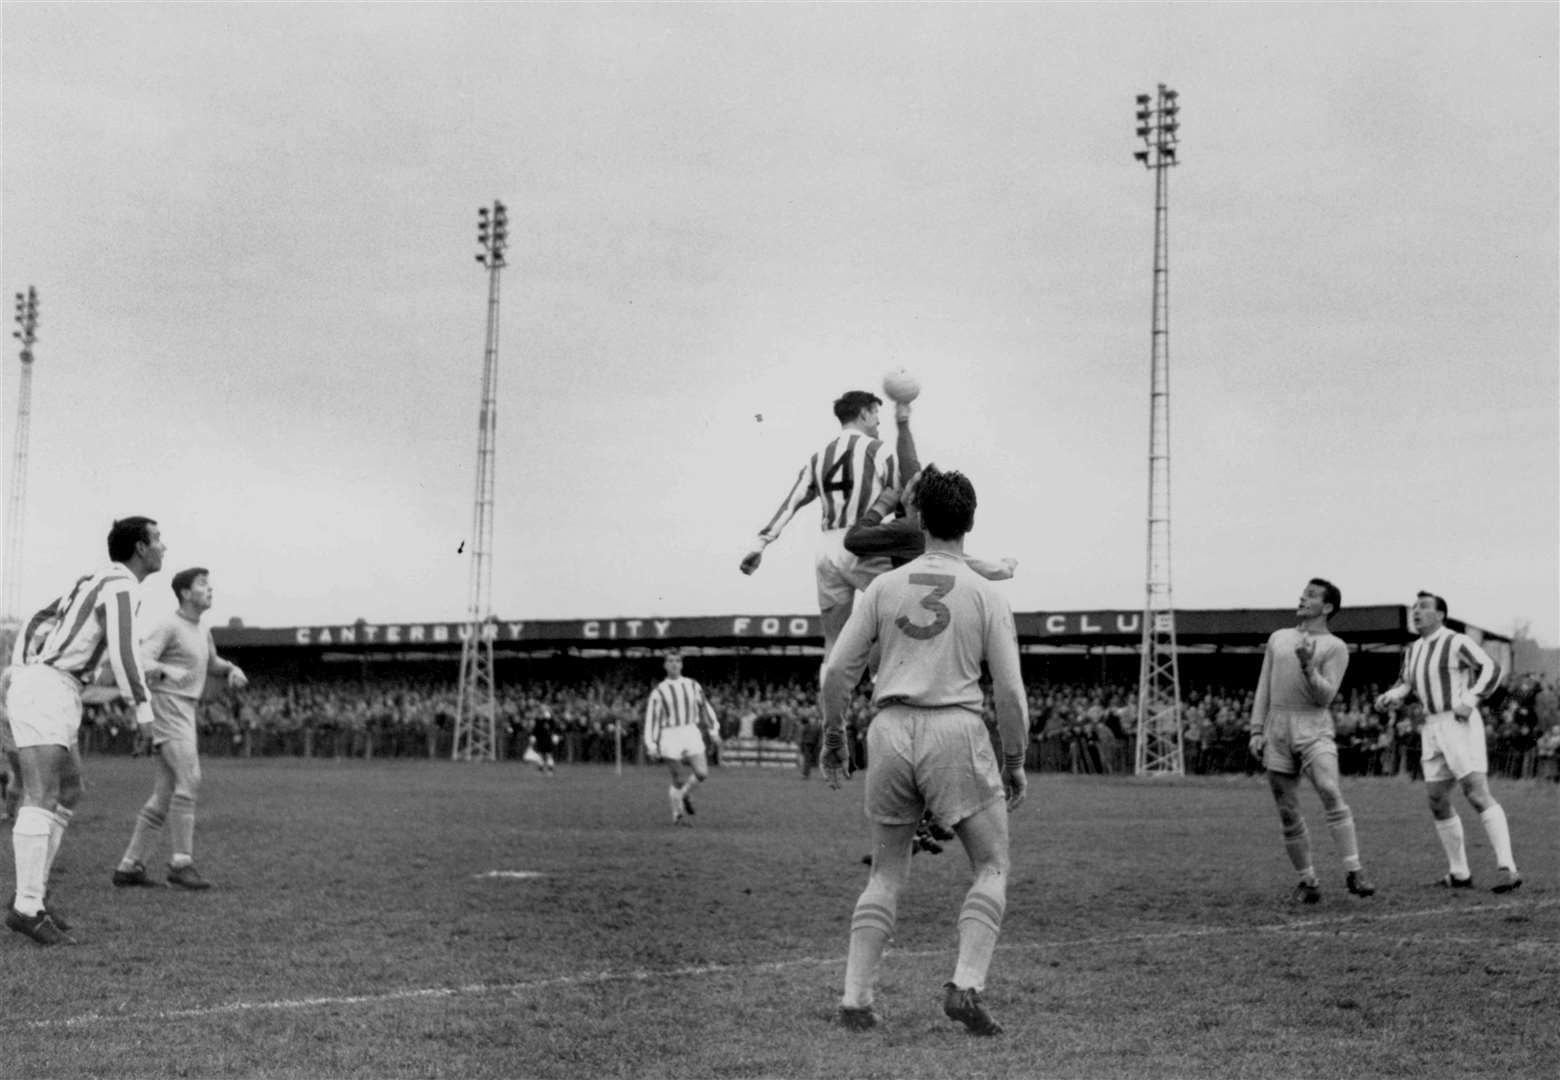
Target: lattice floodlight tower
1159 681
476 723
16 504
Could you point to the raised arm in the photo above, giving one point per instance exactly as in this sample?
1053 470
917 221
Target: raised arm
1000 570
802 492
1323 673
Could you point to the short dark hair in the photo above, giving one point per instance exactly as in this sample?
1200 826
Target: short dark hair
125 534
1440 602
185 579
946 501
1330 593
849 404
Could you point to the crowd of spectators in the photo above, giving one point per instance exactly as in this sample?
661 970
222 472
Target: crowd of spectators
1075 727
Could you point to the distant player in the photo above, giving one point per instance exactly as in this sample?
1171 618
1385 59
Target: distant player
846 476
95 618
936 621
1292 733
178 655
544 742
1450 675
673 715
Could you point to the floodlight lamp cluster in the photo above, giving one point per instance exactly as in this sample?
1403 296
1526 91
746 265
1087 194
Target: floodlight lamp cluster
1158 125
492 234
26 318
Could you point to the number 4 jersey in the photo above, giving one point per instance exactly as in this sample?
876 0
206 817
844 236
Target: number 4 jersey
935 620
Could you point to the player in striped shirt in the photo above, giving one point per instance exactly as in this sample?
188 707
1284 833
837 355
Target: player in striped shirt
936 622
846 477
1450 675
26 644
94 620
674 716
179 653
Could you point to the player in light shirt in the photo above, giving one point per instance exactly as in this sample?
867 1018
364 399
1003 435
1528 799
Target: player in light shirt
846 477
1292 732
51 667
935 621
179 653
1450 675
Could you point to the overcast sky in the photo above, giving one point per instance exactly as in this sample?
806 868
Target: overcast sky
252 229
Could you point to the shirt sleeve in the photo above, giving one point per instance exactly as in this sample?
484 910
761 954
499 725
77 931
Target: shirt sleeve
1264 695
1327 671
1470 655
1007 680
34 625
843 667
652 719
802 492
119 634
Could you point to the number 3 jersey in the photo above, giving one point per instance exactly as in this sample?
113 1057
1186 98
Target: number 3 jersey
935 620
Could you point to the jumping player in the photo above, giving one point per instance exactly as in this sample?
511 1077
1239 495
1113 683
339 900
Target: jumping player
846 476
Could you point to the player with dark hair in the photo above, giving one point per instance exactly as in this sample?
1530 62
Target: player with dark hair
96 617
673 716
1450 675
880 533
936 621
846 477
1292 733
179 653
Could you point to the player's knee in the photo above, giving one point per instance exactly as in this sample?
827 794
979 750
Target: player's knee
992 865
890 875
69 794
1289 815
1332 798
1477 789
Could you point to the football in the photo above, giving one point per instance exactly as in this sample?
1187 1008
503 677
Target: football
901 386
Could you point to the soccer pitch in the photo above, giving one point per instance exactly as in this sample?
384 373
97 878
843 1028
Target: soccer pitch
434 919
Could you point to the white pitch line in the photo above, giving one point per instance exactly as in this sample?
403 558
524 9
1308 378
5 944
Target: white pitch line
645 975
1520 945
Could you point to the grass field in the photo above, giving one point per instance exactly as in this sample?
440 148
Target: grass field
359 929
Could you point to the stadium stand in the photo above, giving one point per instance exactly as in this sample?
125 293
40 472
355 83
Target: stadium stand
388 690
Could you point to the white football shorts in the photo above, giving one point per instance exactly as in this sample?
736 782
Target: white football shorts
45 706
681 743
1450 748
842 575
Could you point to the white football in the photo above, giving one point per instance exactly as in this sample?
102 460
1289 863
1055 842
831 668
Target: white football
901 386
